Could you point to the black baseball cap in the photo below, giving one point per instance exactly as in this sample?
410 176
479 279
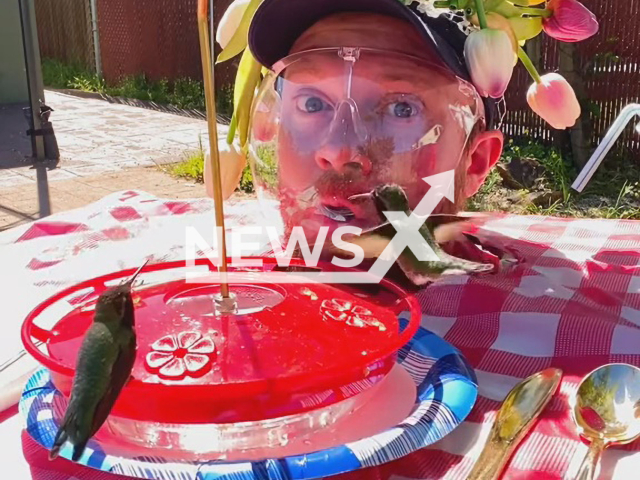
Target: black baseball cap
277 24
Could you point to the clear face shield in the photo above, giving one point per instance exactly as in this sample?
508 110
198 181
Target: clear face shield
330 125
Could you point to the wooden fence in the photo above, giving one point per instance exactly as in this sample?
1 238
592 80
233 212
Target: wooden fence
609 66
64 31
159 38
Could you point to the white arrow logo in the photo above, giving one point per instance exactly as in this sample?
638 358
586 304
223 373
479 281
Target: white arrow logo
407 235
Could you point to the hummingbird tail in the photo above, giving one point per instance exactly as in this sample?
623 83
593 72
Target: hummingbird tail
78 450
61 437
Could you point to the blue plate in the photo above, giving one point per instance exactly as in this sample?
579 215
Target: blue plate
446 392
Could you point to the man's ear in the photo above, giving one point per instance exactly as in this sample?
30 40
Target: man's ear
484 152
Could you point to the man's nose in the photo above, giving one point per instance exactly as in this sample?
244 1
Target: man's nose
342 150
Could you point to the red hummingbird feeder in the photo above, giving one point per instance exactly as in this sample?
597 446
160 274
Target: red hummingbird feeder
273 352
287 349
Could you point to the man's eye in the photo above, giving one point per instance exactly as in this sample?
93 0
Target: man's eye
311 104
402 109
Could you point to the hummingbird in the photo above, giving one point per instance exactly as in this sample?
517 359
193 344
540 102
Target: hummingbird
391 197
104 365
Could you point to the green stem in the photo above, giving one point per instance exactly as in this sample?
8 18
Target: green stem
232 128
442 3
482 17
536 12
526 61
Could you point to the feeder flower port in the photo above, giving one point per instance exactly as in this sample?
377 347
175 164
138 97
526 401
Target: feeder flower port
345 311
175 356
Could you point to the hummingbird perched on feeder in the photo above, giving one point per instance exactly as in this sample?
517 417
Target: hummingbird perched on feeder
104 366
391 197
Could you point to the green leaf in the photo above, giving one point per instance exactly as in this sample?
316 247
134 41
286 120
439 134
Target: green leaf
232 129
502 7
526 28
240 37
247 80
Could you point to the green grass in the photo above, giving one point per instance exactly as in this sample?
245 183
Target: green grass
183 93
613 192
192 168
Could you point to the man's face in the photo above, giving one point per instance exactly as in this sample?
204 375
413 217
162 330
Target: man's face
346 127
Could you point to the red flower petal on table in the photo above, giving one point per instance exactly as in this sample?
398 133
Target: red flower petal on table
165 344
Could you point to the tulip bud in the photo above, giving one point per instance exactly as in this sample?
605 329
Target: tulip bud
554 100
498 22
489 57
232 163
230 21
570 21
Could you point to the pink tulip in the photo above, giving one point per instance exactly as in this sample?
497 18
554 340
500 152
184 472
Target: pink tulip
489 57
570 21
554 100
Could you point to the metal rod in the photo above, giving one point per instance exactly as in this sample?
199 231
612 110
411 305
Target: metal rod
209 92
34 75
96 37
36 100
44 200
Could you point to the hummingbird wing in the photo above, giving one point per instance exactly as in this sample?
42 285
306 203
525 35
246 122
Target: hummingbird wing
120 374
94 359
373 241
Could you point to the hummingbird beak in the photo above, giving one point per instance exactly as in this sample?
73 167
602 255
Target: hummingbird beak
360 196
133 277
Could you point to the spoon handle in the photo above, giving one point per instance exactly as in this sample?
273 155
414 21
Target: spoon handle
587 469
492 460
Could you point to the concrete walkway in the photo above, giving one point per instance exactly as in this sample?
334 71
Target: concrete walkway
104 147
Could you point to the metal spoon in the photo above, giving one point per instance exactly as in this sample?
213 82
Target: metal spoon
606 410
516 416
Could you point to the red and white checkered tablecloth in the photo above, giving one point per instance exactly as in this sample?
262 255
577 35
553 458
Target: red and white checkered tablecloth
574 303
